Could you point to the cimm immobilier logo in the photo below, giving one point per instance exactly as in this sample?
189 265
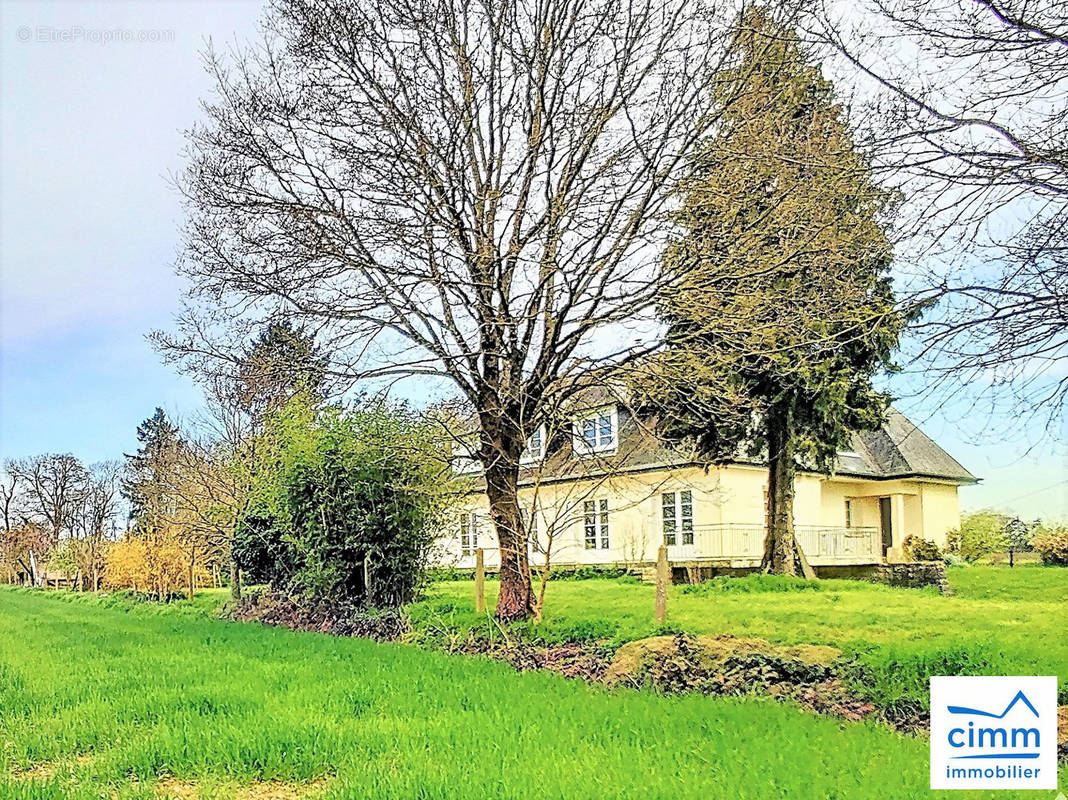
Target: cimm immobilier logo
994 733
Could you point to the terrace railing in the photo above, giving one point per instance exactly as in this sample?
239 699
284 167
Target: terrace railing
825 542
729 540
832 542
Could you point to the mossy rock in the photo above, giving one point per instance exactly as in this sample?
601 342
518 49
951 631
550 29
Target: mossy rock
705 660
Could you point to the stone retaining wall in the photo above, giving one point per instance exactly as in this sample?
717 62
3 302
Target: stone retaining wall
912 575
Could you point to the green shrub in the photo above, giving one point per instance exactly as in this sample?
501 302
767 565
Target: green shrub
919 549
1051 542
584 630
588 573
753 584
953 560
449 574
346 504
979 534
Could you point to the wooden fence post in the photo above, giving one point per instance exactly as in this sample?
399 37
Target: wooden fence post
480 582
663 578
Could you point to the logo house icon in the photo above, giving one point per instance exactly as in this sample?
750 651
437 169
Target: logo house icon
975 744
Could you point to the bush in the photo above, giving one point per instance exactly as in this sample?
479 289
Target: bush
345 508
587 573
753 584
449 574
918 549
979 534
1051 542
586 630
953 560
155 564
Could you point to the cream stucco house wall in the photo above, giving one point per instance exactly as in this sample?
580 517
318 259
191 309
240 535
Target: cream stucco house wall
604 491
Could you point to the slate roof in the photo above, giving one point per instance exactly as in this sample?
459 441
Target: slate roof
900 449
897 450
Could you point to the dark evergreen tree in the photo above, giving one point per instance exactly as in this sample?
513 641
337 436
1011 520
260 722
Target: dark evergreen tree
777 298
282 362
144 485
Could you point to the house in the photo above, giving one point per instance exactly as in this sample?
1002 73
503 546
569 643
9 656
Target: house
604 490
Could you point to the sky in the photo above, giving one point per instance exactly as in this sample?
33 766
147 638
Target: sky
94 97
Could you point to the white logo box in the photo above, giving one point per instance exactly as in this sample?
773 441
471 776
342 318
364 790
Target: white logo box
994 732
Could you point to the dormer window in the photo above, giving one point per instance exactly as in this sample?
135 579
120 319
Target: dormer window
464 460
596 431
535 449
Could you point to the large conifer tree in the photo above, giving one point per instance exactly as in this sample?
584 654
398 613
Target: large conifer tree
779 307
145 484
282 362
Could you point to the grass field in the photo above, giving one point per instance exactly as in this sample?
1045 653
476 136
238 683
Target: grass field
103 698
1001 621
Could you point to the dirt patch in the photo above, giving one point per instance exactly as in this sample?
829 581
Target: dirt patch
335 619
1062 733
47 770
642 660
730 665
172 789
585 660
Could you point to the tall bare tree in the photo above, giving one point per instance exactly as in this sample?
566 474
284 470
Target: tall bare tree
96 518
973 94
10 492
442 188
56 486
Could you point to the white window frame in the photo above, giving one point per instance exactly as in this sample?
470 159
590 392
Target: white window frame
464 461
468 533
677 527
529 456
581 445
595 526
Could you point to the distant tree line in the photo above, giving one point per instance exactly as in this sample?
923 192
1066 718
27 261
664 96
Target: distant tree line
987 533
322 500
55 508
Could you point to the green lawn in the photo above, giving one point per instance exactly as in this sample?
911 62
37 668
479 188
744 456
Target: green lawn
100 698
1000 621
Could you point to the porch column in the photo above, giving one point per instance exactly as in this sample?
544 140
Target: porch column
897 528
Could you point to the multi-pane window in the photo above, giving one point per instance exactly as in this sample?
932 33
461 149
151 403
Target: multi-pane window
596 432
678 517
468 534
849 513
595 524
535 448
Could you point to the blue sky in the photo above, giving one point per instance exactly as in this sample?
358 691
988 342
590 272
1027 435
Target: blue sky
91 130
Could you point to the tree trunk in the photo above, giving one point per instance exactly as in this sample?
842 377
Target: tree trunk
235 580
35 576
780 547
516 597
